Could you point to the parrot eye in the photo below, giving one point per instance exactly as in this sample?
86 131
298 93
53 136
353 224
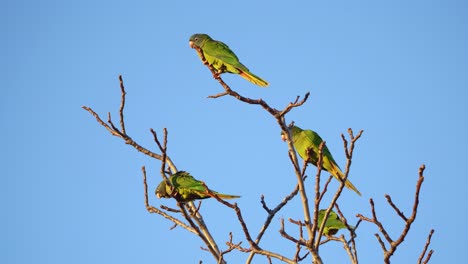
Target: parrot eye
196 39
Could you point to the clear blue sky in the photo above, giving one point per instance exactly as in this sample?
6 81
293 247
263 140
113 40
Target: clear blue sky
73 194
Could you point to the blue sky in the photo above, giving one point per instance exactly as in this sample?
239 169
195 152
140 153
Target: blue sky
74 194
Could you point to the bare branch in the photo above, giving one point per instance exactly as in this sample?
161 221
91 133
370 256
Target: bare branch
102 123
122 133
428 242
170 209
408 222
115 132
379 224
214 251
122 105
163 149
290 106
264 205
382 244
397 210
238 213
218 95
428 257
271 214
325 188
352 232
263 252
314 225
289 237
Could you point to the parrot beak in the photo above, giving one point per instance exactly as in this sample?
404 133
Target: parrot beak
192 45
283 137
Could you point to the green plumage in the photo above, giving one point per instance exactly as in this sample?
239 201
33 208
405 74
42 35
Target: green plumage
186 188
332 225
308 139
221 57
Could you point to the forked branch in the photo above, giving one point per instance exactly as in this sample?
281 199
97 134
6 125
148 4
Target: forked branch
392 246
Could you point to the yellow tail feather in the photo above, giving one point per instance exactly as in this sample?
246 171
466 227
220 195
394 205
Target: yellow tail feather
253 78
337 173
227 196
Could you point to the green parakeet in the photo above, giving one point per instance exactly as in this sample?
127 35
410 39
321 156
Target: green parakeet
221 57
308 139
332 225
186 188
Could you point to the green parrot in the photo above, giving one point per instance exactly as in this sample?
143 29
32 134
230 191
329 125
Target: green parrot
308 139
186 188
221 57
333 223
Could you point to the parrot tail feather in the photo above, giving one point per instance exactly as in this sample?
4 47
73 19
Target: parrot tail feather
339 176
227 196
253 78
350 186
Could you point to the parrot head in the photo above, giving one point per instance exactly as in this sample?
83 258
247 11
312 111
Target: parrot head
161 190
197 40
294 130
283 136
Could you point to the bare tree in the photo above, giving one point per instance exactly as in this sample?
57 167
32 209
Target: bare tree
311 232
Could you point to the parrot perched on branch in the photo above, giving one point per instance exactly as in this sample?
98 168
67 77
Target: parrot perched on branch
304 140
222 59
186 189
332 225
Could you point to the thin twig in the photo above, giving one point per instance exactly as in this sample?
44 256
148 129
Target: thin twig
238 213
314 225
229 249
271 214
207 242
170 209
352 232
122 105
428 242
284 234
397 210
129 140
325 188
393 244
163 149
263 252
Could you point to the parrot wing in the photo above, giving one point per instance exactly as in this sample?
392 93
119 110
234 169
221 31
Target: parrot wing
306 140
333 223
223 53
314 141
188 188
